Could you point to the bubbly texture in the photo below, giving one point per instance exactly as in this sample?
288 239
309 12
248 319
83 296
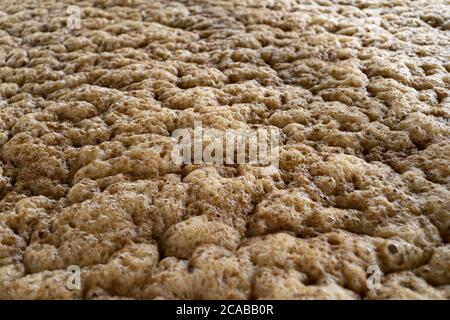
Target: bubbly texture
358 89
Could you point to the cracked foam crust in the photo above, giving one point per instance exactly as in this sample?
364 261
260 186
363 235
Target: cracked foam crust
358 89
